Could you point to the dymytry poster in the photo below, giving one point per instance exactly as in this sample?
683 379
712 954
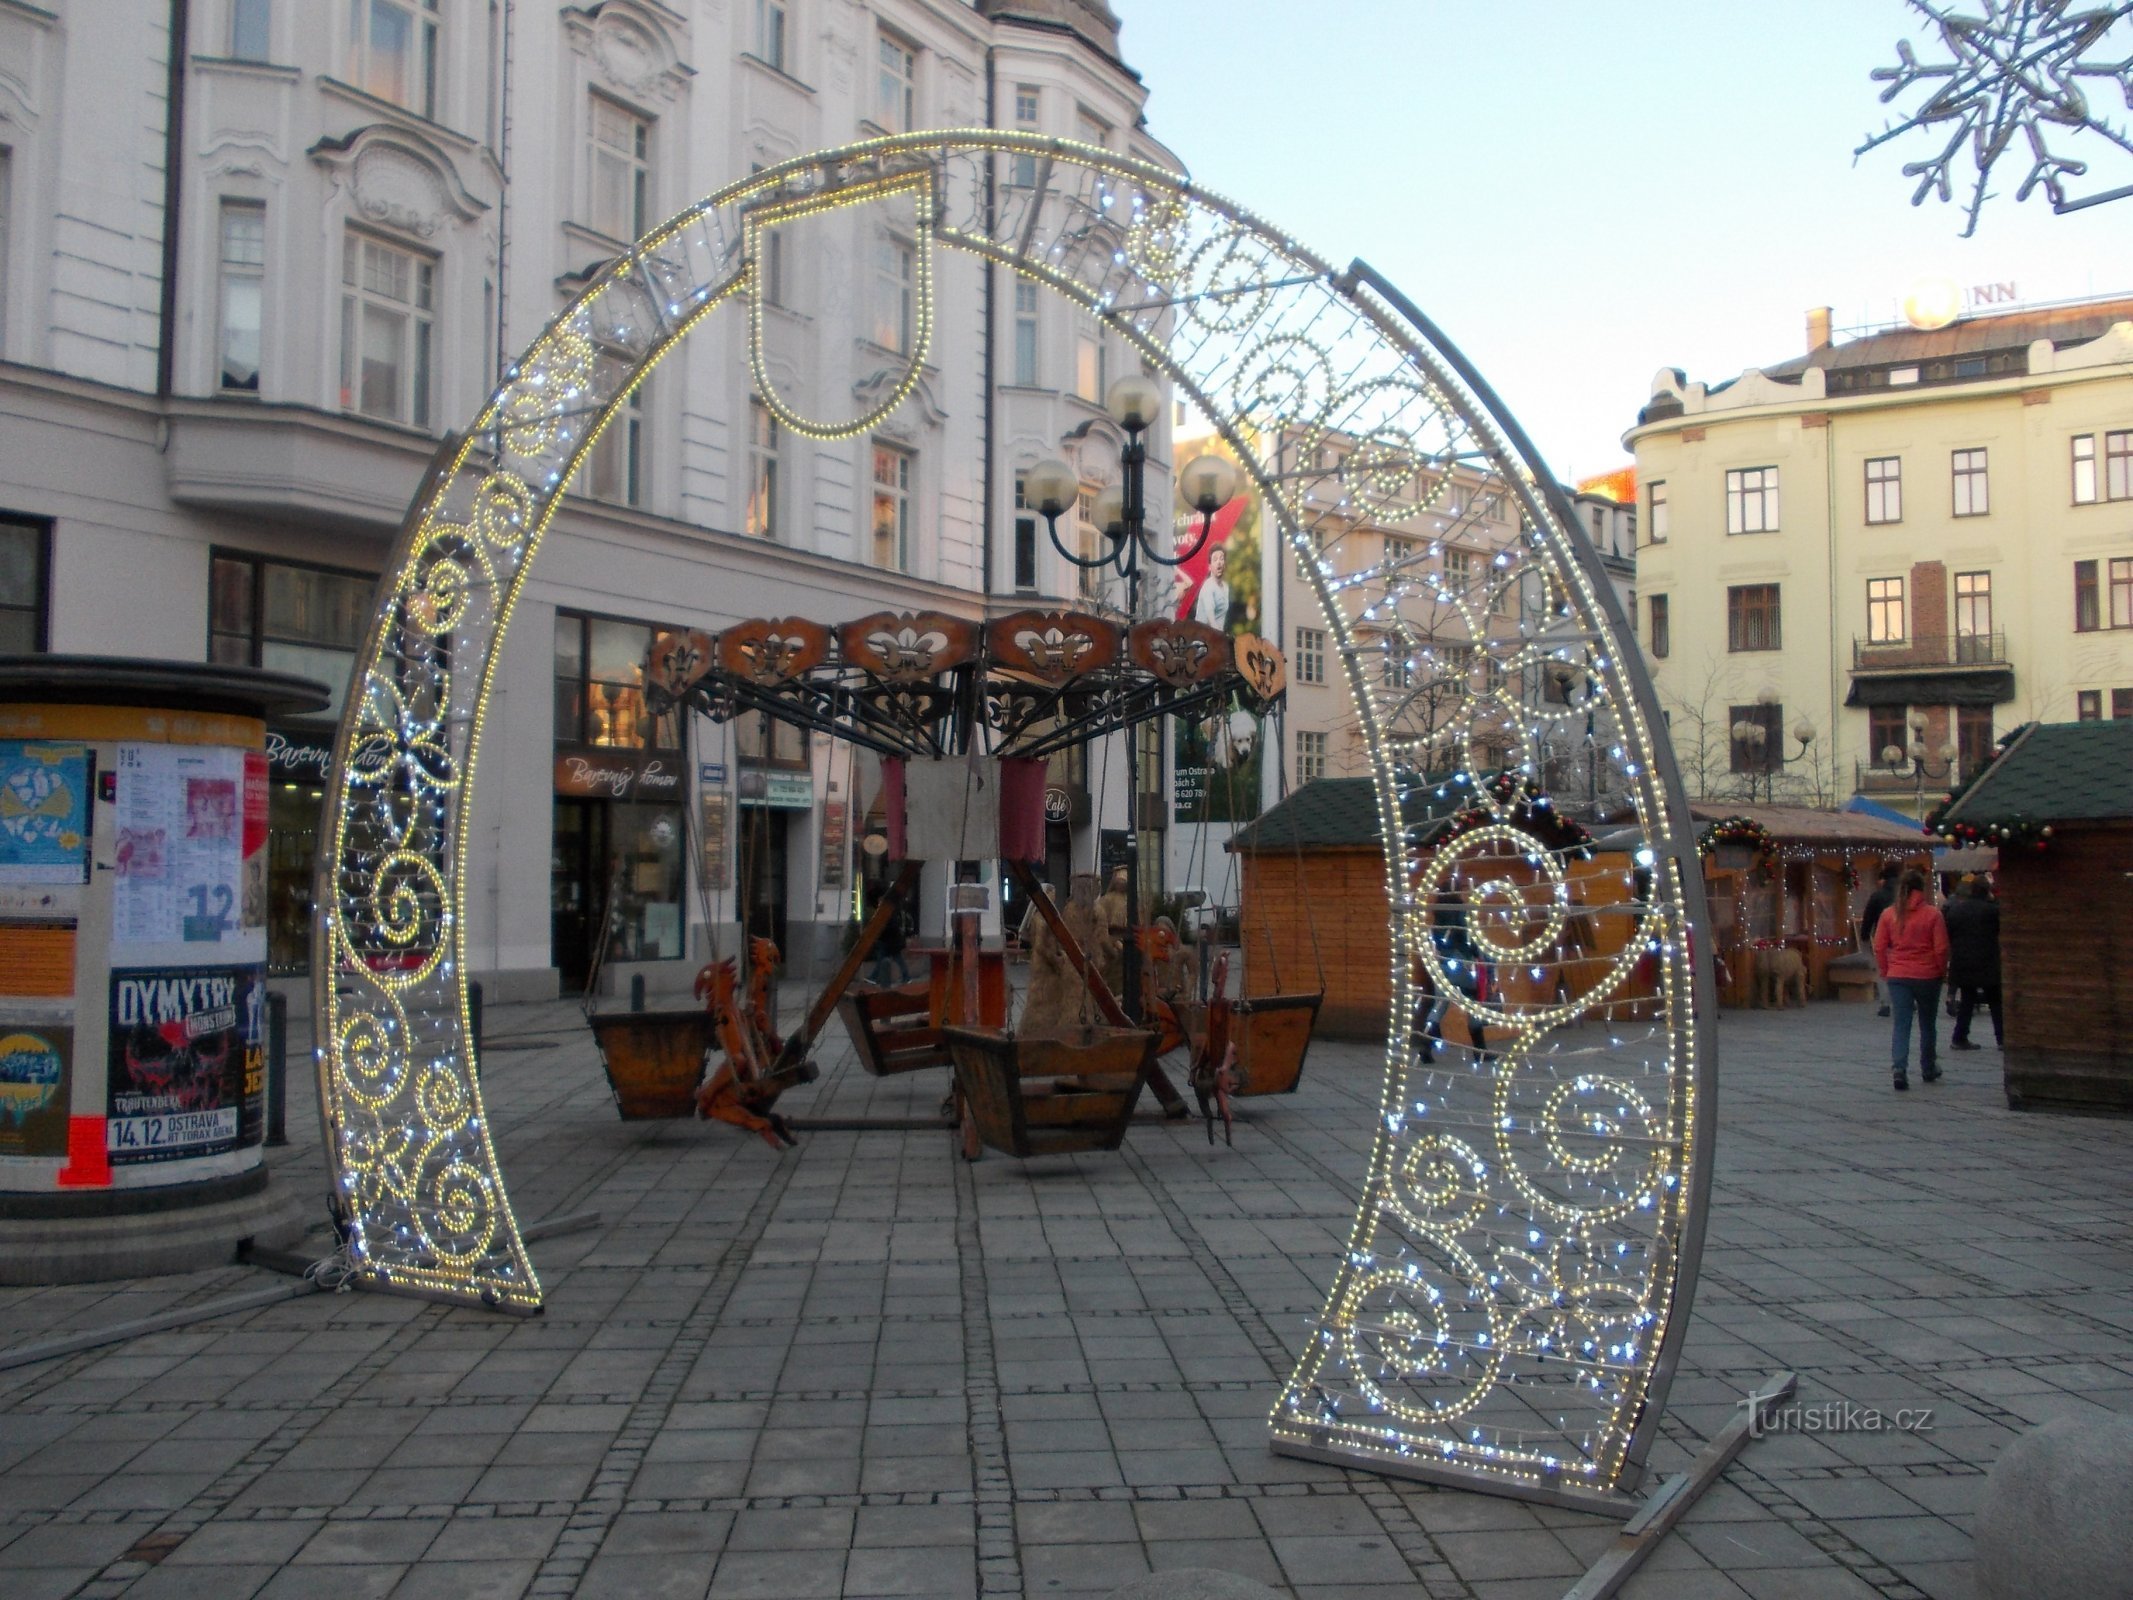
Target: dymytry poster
44 812
187 1061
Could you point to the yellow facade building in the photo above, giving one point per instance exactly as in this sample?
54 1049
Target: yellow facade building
1901 546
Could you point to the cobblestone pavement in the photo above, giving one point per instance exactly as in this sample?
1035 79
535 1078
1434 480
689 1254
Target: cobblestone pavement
863 1368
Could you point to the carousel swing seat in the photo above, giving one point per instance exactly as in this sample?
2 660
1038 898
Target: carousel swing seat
1043 1095
654 1060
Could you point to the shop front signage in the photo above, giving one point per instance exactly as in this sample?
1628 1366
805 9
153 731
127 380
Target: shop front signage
711 772
780 791
617 775
833 845
294 755
1058 805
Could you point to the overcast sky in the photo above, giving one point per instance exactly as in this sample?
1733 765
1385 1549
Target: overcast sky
1580 194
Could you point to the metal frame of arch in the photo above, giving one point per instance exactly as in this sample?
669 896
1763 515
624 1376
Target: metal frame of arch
1514 1291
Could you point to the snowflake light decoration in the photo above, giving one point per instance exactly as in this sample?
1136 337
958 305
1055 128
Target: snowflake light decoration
2016 70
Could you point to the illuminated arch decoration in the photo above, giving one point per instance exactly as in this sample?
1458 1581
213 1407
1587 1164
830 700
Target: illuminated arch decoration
1515 1287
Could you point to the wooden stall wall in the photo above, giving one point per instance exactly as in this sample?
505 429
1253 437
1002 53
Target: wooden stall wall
2066 968
1341 895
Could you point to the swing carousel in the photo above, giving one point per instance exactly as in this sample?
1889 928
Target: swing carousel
962 716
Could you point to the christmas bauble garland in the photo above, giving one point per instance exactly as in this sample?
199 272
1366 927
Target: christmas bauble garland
2020 831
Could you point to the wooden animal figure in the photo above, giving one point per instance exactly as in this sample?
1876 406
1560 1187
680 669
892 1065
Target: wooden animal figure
762 972
1779 973
734 1091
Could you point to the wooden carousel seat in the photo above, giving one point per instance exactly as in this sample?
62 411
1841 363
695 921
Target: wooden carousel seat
892 1029
1046 1095
1272 1033
654 1060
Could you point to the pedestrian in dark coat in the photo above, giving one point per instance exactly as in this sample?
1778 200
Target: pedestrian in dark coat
1877 905
1973 919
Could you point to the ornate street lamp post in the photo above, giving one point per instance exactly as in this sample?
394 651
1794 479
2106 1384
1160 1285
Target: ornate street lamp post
1754 735
1894 756
1205 486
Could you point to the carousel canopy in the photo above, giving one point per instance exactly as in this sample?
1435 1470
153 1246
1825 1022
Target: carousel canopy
927 684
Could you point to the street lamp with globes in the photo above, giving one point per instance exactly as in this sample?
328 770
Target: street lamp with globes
1754 735
1922 768
1205 485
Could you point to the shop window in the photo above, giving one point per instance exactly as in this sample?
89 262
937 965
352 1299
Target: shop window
25 554
599 686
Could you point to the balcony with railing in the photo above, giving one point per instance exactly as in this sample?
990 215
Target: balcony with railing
1928 651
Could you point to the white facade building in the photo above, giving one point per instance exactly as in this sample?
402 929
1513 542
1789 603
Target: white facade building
257 256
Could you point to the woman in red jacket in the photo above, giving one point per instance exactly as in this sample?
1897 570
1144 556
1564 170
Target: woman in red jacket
1911 949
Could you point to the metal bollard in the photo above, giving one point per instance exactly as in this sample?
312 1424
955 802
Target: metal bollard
636 991
277 1086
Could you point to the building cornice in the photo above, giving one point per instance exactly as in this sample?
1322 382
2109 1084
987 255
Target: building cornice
2013 386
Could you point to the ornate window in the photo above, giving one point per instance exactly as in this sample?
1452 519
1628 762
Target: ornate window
770 23
392 51
1026 334
614 471
242 295
895 85
895 274
251 30
621 170
1022 166
760 519
388 329
891 520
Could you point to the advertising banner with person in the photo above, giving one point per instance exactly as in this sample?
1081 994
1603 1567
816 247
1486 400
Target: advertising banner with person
1219 752
187 1066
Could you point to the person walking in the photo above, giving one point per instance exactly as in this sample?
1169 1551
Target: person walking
1460 957
1911 948
890 947
1877 905
1973 919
